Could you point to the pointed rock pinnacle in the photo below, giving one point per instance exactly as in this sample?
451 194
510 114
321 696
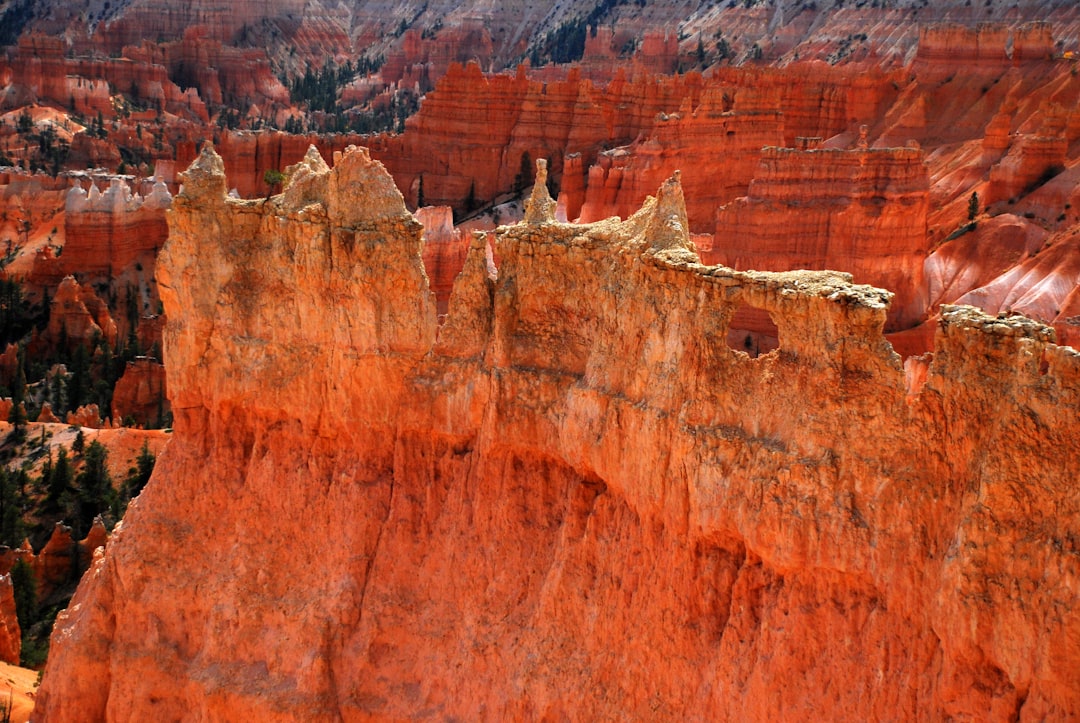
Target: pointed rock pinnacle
539 208
667 227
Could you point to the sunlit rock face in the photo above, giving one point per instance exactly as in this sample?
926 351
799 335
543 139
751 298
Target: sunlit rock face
570 498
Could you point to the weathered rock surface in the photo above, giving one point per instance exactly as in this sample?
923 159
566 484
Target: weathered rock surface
861 210
58 563
87 415
140 396
445 249
108 232
78 317
10 633
572 499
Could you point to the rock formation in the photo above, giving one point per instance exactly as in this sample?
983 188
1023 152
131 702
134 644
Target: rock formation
571 499
10 634
87 415
139 396
445 249
58 564
110 231
78 317
861 210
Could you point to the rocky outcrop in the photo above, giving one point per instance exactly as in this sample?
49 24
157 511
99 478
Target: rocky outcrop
57 564
571 499
42 71
445 248
10 633
610 144
78 317
423 59
860 210
87 415
948 47
108 232
139 397
621 178
46 414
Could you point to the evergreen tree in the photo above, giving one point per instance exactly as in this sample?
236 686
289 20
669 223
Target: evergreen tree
45 479
15 318
96 495
25 588
272 178
56 394
79 383
973 206
139 475
58 486
11 525
17 416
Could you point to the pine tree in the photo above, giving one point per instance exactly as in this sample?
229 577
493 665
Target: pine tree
58 486
973 206
17 415
79 384
56 393
25 588
272 178
139 475
96 495
11 526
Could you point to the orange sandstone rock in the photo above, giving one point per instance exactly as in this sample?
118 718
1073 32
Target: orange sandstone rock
860 210
140 394
78 316
113 230
87 415
573 499
46 414
58 563
10 633
445 248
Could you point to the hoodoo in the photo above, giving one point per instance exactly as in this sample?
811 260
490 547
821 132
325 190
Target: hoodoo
572 499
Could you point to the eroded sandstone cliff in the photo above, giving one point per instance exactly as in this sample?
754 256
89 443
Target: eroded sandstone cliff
571 499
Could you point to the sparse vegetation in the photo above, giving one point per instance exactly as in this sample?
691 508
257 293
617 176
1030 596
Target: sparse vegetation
566 43
967 227
273 178
72 489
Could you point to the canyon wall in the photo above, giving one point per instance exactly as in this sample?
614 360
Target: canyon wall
611 143
862 210
571 499
111 230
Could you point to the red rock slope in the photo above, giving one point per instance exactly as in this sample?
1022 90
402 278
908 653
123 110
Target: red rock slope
572 499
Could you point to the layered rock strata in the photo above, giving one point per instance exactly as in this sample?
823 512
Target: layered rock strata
571 500
111 230
861 210
139 397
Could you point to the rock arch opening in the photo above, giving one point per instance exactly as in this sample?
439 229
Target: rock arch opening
752 331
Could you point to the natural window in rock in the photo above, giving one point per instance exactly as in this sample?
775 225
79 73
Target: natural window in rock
752 331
